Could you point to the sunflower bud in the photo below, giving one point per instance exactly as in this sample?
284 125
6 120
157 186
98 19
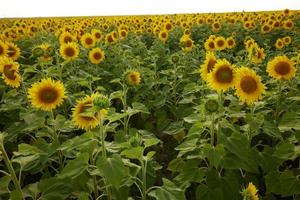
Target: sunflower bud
101 102
211 105
175 59
132 77
37 52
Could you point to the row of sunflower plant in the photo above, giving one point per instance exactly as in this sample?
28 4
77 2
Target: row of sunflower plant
191 106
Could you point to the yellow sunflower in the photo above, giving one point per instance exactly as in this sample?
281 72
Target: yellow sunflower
66 37
279 44
230 42
3 49
281 68
123 33
248 85
256 54
96 55
86 122
97 34
133 77
69 51
208 65
163 36
287 40
250 192
13 51
47 94
10 72
88 41
209 44
222 76
187 43
220 43
110 39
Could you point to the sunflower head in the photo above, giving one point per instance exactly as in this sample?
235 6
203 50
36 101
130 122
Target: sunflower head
85 115
88 41
132 77
47 94
66 37
96 55
208 65
248 85
37 51
281 68
222 76
279 44
230 42
3 49
10 72
220 43
163 36
250 192
13 51
209 44
69 51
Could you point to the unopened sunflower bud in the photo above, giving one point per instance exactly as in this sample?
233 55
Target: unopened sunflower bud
37 52
211 105
175 59
101 102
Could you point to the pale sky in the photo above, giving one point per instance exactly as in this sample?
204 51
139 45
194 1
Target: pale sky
47 8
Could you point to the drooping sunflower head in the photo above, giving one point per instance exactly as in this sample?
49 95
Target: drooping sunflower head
96 55
281 68
69 51
248 85
3 49
132 77
81 119
47 94
13 51
88 41
250 192
256 54
220 43
208 65
222 76
10 72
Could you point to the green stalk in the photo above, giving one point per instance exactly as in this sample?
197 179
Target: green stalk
212 133
96 193
11 170
144 174
126 119
56 139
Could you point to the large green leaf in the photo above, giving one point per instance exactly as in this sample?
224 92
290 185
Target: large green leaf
75 167
55 188
113 170
290 120
168 191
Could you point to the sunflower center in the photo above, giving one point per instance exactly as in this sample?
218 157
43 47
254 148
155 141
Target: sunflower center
282 68
8 72
1 50
110 39
123 33
97 55
67 39
163 35
69 51
266 28
133 78
216 25
259 55
97 35
188 43
220 43
211 45
210 65
48 95
83 108
89 41
224 75
11 52
168 26
230 42
248 84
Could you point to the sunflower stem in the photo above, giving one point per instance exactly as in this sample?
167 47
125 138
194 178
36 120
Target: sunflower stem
11 170
144 174
126 119
56 139
96 193
277 112
212 133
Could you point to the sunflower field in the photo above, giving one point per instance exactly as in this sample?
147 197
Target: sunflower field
168 107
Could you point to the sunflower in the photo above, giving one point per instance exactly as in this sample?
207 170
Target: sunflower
88 41
250 192
279 44
133 77
281 68
222 76
248 85
69 51
220 43
97 34
47 94
109 38
10 72
3 49
187 43
265 28
256 54
208 65
86 122
13 51
123 33
216 26
287 40
163 36
96 55
230 42
209 44
288 24
66 37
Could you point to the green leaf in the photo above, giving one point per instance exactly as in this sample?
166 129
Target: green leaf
168 191
151 142
113 170
75 167
116 95
214 154
174 128
133 153
4 182
55 188
187 146
285 151
290 120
